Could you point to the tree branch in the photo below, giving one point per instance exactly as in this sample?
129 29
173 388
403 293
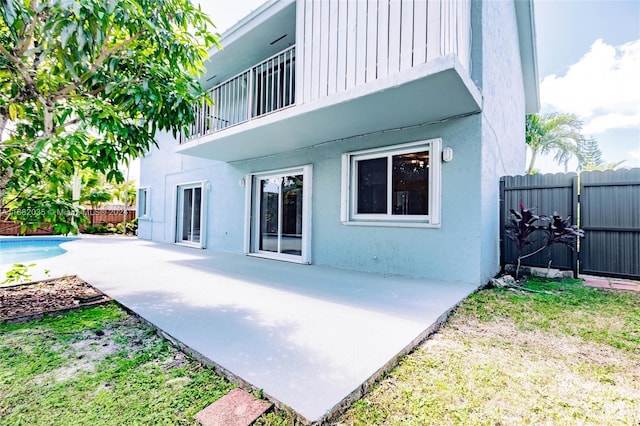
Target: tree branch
18 194
3 124
532 253
97 90
25 75
7 54
67 124
24 42
93 92
104 54
5 177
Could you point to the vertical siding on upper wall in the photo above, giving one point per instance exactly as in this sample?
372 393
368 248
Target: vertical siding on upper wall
347 43
332 65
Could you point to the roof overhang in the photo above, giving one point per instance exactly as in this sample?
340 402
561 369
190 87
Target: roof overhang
528 54
266 31
437 90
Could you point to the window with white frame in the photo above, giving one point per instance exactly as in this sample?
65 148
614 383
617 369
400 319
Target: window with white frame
392 186
143 203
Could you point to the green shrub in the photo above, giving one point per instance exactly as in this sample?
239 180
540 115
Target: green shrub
110 228
132 227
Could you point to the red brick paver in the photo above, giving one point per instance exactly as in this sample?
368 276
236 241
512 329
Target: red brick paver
611 283
625 285
237 408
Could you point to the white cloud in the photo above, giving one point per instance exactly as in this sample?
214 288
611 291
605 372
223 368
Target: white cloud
602 123
602 88
225 13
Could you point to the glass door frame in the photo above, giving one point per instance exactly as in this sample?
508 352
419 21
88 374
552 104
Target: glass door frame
201 243
252 223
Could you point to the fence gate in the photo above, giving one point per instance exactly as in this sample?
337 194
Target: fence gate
610 217
606 205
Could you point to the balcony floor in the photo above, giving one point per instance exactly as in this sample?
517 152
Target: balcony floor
309 336
434 91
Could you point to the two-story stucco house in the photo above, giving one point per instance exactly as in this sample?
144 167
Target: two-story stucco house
360 134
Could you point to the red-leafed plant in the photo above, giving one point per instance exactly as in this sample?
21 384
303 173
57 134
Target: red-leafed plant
556 230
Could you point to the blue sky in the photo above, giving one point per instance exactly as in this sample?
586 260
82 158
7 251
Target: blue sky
588 64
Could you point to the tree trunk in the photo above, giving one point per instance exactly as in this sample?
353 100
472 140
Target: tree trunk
534 154
126 199
5 176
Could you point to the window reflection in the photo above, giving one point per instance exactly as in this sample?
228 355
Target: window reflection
281 214
372 186
410 184
409 192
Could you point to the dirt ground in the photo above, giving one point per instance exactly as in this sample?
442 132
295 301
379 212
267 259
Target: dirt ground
32 299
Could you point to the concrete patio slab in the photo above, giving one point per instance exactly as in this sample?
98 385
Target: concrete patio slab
309 336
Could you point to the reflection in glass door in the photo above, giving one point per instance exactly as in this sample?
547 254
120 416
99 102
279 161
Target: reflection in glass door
189 220
279 221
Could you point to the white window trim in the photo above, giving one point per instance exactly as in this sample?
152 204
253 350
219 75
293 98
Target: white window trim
147 206
251 213
204 185
348 202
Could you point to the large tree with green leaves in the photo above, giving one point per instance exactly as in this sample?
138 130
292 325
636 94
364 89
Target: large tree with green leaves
557 133
85 84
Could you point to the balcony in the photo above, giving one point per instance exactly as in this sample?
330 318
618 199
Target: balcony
262 89
362 73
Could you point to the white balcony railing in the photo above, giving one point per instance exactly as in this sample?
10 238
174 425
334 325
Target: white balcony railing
370 40
264 88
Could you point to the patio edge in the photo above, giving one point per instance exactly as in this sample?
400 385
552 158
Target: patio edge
338 409
376 377
217 368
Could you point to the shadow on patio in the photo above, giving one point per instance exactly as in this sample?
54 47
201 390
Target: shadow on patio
308 335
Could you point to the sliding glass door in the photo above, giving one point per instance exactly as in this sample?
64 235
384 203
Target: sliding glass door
280 220
189 214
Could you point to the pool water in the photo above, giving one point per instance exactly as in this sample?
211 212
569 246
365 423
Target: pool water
27 249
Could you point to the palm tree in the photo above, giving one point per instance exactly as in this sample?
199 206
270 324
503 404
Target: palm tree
602 167
126 193
94 190
591 154
554 132
592 158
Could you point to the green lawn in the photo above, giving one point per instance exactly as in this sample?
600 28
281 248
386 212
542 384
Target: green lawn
513 357
567 355
98 366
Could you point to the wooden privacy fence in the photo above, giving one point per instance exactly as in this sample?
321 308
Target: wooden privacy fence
96 217
606 205
11 228
102 216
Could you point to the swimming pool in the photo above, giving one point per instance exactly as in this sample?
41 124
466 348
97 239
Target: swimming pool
27 249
